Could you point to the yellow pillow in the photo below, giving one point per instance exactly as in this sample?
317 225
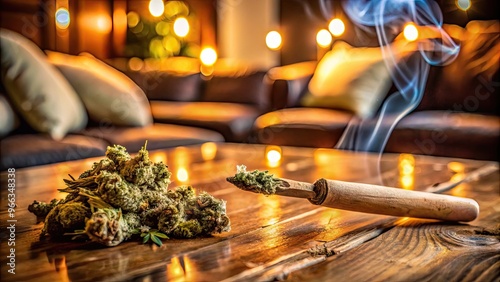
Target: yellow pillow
352 79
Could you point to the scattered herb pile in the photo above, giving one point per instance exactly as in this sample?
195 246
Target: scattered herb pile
121 196
254 181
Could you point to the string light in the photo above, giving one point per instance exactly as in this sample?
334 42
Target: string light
62 18
410 32
273 40
156 7
336 27
181 27
324 38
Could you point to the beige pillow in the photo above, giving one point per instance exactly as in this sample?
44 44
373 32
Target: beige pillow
109 95
8 119
352 79
37 89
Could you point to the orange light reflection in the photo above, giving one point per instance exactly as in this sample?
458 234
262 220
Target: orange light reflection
270 210
208 151
406 167
273 156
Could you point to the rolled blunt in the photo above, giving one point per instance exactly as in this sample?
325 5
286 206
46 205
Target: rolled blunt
392 201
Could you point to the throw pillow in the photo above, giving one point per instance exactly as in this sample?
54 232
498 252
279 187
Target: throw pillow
8 119
352 79
109 95
37 89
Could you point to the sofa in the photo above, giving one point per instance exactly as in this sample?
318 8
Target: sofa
173 109
458 115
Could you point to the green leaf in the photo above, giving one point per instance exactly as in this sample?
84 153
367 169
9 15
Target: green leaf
135 231
161 235
144 234
156 240
146 238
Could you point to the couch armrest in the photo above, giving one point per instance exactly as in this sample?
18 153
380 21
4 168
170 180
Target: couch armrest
289 83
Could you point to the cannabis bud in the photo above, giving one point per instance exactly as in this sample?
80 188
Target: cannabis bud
121 195
255 181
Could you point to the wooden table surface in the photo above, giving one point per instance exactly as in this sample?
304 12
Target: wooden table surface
271 237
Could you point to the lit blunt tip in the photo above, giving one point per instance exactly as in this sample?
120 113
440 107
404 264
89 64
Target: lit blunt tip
181 27
336 27
62 18
410 32
324 38
156 7
273 40
208 56
463 4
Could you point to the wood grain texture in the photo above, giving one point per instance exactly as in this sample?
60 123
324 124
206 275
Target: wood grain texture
272 237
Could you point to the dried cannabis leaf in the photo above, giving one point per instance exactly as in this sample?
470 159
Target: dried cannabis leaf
255 181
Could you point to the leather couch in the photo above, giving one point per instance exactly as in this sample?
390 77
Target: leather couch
457 117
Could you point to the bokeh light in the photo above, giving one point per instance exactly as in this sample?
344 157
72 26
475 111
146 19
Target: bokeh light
162 28
273 156
176 8
410 32
208 151
181 27
324 38
156 7
182 174
171 44
336 27
208 56
463 4
132 19
62 18
273 40
135 64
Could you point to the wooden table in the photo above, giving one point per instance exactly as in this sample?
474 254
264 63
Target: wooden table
271 236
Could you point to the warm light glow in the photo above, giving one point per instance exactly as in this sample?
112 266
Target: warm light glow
273 156
103 23
208 151
336 27
156 7
162 28
406 167
62 18
324 38
171 44
410 32
132 19
273 40
456 167
182 174
463 4
208 56
135 64
181 27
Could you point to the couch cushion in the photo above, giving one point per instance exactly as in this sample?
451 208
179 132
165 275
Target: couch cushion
251 88
445 133
37 89
233 121
159 136
109 95
163 85
309 127
26 150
